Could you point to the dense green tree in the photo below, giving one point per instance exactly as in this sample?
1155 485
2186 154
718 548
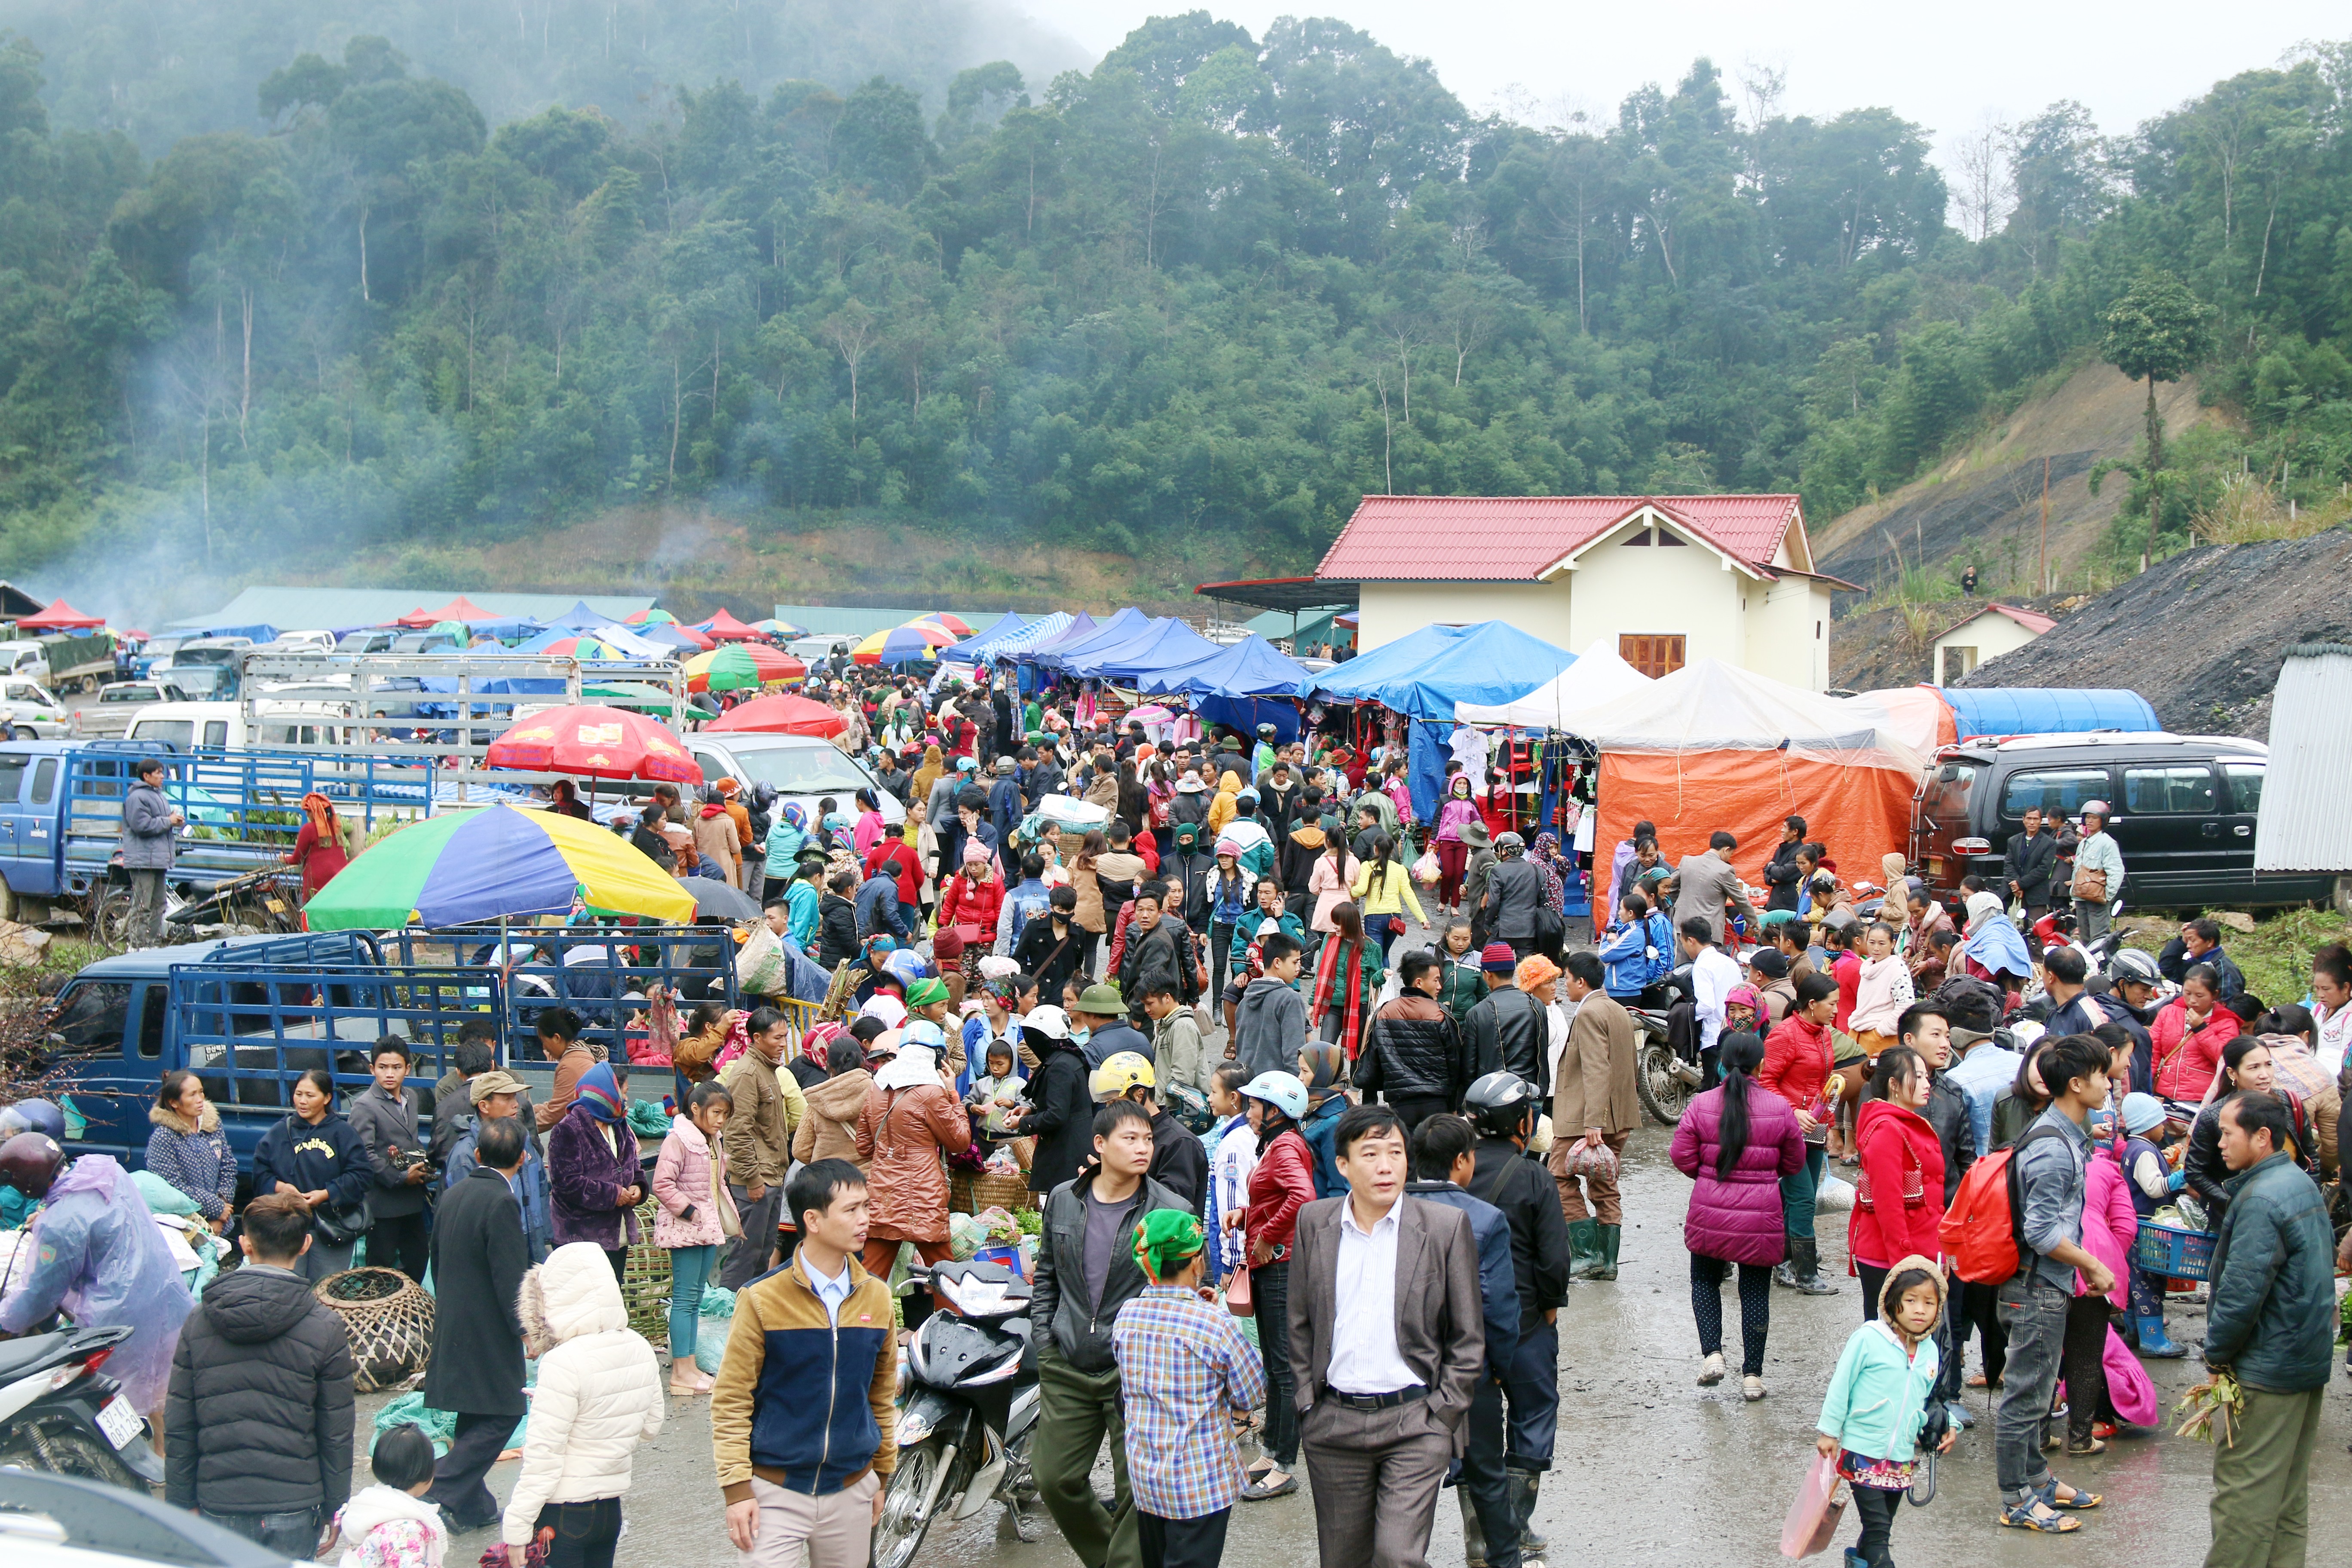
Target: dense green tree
2157 331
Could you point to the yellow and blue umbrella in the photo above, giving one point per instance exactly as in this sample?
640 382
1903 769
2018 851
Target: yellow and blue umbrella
467 866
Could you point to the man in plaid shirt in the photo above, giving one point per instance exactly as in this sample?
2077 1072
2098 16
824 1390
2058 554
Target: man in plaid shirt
1184 1367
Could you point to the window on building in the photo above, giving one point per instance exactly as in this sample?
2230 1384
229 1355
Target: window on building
1652 653
1639 536
1957 662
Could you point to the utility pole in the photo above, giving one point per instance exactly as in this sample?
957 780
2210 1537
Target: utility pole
2045 525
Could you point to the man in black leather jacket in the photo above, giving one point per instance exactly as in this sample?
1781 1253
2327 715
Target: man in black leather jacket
1515 891
1416 1060
1509 1030
1781 872
2032 855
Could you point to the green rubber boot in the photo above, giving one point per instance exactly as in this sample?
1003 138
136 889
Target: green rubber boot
1605 1268
1473 1534
1583 1248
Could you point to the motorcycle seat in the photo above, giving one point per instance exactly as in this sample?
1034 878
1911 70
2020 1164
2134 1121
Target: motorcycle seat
19 1357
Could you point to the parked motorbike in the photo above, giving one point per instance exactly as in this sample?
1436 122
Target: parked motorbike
971 1408
1664 1078
59 1413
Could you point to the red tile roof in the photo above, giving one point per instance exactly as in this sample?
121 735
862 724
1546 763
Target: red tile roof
1505 538
2036 624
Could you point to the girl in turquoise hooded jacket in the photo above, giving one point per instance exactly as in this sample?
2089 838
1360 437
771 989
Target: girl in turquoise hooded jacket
1879 1400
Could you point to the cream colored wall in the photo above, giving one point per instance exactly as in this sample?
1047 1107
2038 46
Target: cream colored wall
1990 635
1392 610
1787 631
1617 590
1675 589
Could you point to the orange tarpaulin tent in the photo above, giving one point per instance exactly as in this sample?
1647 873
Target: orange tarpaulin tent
1711 747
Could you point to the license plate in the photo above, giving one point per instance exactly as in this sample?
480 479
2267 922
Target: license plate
119 1421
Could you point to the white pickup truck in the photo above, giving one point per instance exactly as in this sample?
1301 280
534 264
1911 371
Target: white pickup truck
108 715
28 710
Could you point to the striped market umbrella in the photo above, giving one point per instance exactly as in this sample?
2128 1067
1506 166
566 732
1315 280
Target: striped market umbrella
594 743
649 618
500 862
738 665
776 628
954 622
585 646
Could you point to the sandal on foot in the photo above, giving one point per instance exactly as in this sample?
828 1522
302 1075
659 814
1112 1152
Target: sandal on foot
1259 1490
2078 1501
1978 1381
2024 1516
2096 1446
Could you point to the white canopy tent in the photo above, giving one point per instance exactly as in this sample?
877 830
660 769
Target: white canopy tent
1598 677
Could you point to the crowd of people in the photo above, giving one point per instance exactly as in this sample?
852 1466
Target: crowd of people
1270 1051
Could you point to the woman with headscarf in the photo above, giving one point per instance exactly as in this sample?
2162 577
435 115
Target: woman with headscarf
593 1169
919 792
318 847
870 826
1556 869
1992 947
1221 810
784 842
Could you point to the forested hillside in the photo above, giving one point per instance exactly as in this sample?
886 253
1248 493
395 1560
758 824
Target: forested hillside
1202 298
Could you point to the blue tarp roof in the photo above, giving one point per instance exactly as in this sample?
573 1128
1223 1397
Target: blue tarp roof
2046 710
977 646
1107 634
1250 667
1424 674
581 617
1169 645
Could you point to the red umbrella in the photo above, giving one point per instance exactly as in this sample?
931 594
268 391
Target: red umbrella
781 715
595 742
724 627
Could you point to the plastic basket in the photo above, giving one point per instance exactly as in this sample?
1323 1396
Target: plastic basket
2173 1251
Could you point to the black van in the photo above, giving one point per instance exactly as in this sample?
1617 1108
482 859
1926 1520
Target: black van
2184 814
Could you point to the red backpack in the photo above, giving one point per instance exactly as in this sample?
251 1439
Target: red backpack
1983 1230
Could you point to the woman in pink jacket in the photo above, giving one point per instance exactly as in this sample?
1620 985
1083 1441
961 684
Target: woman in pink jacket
1739 1142
1452 854
2110 1226
1332 883
692 1214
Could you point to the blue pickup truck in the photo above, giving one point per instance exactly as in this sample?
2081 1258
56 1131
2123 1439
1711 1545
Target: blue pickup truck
61 812
248 1014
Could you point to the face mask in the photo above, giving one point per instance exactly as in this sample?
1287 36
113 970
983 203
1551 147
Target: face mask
1080 1036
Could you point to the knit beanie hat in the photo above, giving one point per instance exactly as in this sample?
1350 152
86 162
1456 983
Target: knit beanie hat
1496 958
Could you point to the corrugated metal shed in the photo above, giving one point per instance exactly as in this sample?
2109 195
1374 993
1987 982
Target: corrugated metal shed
2302 825
858 620
340 609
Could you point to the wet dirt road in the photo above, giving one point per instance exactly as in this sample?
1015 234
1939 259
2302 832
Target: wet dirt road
1650 1468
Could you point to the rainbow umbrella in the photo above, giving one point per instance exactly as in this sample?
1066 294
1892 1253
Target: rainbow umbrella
584 646
650 619
465 866
955 624
921 641
776 628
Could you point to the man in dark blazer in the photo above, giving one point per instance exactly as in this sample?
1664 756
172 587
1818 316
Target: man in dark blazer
479 1256
1385 1381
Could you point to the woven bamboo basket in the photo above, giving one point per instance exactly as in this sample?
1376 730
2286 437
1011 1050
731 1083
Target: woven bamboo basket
389 1317
645 1281
968 1193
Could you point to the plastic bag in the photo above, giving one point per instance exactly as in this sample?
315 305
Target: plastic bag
1813 1518
760 969
714 1321
1427 871
98 1255
162 1196
1592 1160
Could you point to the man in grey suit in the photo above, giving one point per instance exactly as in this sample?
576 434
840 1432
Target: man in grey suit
1702 883
1387 1341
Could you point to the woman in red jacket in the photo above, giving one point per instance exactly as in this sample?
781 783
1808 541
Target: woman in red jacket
972 897
2189 1033
1797 1060
318 847
893 851
1280 1185
1898 1202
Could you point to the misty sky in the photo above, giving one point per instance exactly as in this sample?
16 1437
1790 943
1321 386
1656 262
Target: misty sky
1945 67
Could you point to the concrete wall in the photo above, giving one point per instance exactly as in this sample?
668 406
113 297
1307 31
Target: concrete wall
1990 634
1779 629
1787 632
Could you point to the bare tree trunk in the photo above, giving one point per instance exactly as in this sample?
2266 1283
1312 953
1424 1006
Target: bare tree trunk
363 276
245 392
2263 266
677 408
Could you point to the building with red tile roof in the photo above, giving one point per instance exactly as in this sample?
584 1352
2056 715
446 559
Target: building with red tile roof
1984 633
1663 579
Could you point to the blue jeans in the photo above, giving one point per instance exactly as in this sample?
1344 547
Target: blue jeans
1379 928
2033 1311
690 1268
1797 1192
294 1533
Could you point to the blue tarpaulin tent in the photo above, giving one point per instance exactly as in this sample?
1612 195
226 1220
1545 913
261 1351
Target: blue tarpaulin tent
2046 711
1250 667
1113 633
1424 674
1170 644
1082 627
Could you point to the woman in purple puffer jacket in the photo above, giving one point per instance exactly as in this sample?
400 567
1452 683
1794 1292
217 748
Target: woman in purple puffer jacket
1737 1144
593 1169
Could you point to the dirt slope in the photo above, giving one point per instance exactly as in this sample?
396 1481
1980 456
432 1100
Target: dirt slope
2201 635
1987 499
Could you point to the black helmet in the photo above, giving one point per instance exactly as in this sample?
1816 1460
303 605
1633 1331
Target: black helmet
29 1163
1499 1104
